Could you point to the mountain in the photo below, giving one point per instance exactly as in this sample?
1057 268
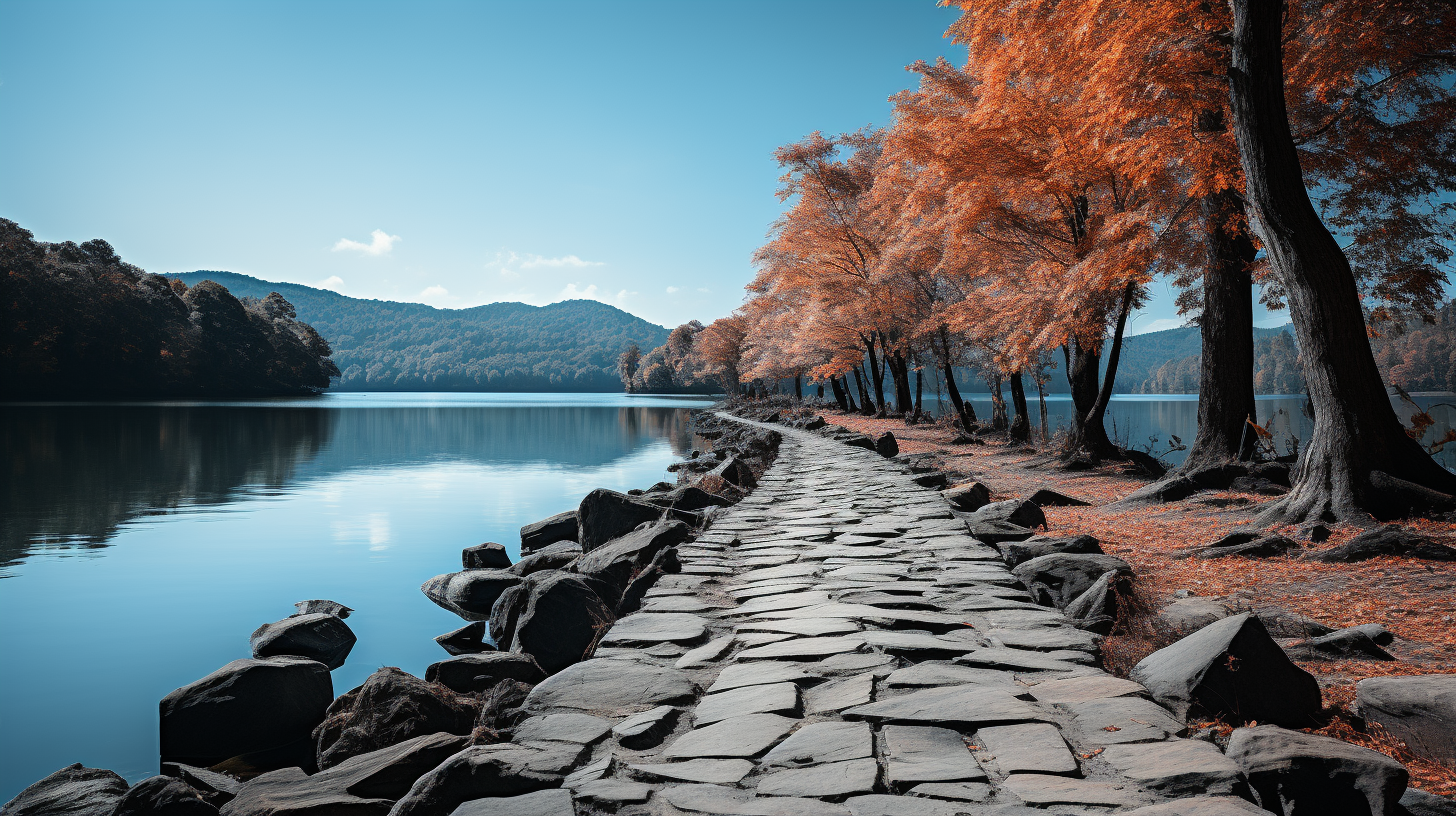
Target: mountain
383 345
1144 354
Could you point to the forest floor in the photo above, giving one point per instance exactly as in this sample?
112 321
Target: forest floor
1414 599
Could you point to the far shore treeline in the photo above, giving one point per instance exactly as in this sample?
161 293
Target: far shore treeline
79 322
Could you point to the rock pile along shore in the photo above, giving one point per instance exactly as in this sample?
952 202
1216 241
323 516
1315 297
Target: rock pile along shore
830 634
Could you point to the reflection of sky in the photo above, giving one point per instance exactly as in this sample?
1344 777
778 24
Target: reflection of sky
92 643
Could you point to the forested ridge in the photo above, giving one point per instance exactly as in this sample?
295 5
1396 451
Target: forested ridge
80 323
382 345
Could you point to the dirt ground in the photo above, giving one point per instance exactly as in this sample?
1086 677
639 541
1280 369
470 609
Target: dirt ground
1414 599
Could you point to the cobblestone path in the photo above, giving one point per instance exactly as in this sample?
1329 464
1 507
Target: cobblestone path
838 644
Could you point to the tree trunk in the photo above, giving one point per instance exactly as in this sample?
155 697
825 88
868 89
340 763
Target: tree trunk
798 387
877 376
964 410
838 394
1359 459
998 402
1083 362
866 406
1226 368
1046 434
919 388
1095 423
1021 425
819 390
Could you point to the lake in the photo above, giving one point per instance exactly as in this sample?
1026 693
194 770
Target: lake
141 544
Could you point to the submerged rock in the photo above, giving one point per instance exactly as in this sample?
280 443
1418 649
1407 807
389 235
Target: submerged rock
470 593
468 639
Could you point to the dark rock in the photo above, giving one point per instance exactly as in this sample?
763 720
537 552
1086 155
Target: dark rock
1305 774
1377 633
560 527
163 796
468 639
552 556
334 608
1051 498
389 708
934 481
1019 552
1020 512
997 532
615 563
1171 490
605 515
1387 540
1351 642
733 471
489 555
886 446
1096 609
1257 486
1419 710
1060 578
245 707
74 790
319 636
1283 623
1276 472
1187 615
963 439
815 424
1217 477
1416 802
470 593
1264 547
217 788
478 772
969 497
1315 532
1231 670
503 707
664 563
556 617
858 441
469 674
689 497
646 730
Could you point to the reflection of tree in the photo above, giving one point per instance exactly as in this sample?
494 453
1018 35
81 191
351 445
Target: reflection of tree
74 473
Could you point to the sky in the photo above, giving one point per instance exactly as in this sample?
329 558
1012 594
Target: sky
446 153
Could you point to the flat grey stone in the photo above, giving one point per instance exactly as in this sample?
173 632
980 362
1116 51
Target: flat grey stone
801 648
675 603
759 590
881 804
1179 766
565 726
1202 806
720 801
611 685
811 627
830 779
959 791
718 771
652 627
646 730
922 753
942 673
1044 638
1028 748
1087 687
541 803
969 705
746 736
837 695
911 643
874 663
757 674
777 698
618 791
1043 789
820 742
590 772
1016 659
790 600
751 639
1122 720
709 652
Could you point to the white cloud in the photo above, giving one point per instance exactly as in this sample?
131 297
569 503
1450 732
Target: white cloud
509 264
333 283
381 245
672 290
1161 324
572 261
437 296
591 292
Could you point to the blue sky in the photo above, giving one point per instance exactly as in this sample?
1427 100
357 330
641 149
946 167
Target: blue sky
447 153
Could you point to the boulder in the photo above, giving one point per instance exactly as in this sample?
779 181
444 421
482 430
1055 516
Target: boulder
664 563
1231 670
1051 498
968 498
1419 710
733 471
489 555
74 790
1416 802
1356 641
1283 623
560 527
389 708
1296 773
217 788
552 556
468 639
503 707
886 446
478 772
1096 609
616 562
1060 578
1388 540
318 636
689 497
605 515
1020 512
933 481
556 617
858 440
334 608
473 673
469 593
1019 552
163 796
1187 615
245 707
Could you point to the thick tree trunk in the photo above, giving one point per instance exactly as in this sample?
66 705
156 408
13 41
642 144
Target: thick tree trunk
866 406
919 389
838 394
819 390
1359 459
1096 418
1046 434
902 383
998 402
1083 362
1021 425
1226 369
798 387
876 374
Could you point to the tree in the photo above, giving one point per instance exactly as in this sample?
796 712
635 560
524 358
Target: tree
1359 459
627 366
719 349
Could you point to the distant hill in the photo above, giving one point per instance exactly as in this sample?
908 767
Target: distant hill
1144 354
383 345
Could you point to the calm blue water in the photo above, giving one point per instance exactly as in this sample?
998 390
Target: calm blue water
141 544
